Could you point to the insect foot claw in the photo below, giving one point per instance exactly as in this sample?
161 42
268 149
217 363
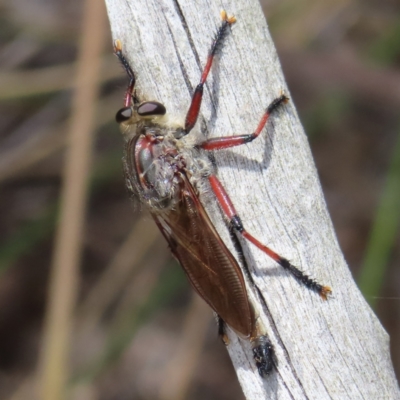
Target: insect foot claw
325 292
263 353
283 95
225 339
117 46
224 16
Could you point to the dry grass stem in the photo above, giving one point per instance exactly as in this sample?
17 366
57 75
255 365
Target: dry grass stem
142 237
43 142
50 79
64 276
181 368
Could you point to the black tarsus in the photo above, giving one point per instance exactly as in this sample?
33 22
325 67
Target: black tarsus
277 102
132 78
263 353
301 276
219 37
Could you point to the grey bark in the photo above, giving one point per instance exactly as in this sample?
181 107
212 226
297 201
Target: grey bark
325 350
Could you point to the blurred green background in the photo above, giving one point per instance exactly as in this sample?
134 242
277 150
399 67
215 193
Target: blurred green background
341 59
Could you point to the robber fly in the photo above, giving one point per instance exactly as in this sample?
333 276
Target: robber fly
168 175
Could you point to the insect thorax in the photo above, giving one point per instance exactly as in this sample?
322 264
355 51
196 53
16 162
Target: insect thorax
156 164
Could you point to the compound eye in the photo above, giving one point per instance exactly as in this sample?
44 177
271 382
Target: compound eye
123 114
151 108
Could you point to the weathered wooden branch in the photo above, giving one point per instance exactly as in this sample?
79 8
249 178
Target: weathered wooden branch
325 350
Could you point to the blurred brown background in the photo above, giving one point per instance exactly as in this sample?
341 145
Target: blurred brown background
342 62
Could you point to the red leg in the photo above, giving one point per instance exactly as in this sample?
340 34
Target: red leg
193 113
229 210
231 141
130 92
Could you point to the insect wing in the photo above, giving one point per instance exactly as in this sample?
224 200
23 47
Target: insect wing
209 265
